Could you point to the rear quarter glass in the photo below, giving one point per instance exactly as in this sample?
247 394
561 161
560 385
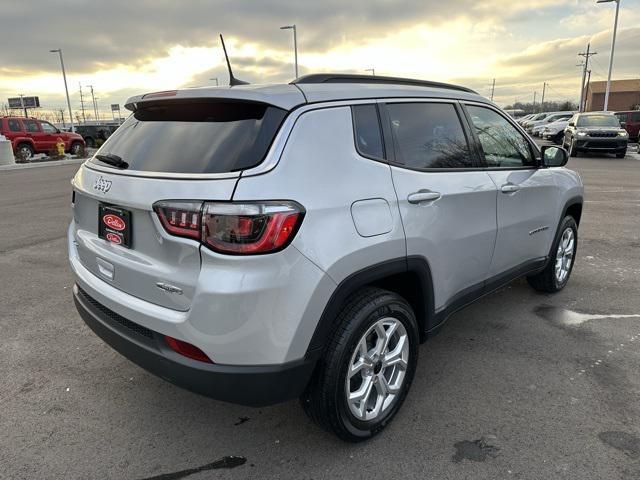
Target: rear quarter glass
195 137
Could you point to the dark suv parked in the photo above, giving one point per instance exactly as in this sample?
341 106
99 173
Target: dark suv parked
595 132
630 121
95 135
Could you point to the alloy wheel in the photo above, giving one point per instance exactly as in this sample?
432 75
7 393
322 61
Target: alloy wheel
564 255
377 369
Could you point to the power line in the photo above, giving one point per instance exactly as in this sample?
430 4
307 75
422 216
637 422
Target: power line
585 66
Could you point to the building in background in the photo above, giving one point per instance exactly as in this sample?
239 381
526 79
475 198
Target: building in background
624 95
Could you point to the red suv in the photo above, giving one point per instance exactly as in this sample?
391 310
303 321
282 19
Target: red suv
29 136
631 120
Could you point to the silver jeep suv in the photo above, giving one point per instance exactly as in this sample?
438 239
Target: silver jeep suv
261 243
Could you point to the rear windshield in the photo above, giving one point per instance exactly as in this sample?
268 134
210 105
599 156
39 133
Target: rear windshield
203 137
598 121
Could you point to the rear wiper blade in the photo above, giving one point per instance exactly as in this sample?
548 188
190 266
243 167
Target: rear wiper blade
113 160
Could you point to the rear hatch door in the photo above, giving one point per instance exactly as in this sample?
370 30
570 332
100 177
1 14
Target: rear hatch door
167 151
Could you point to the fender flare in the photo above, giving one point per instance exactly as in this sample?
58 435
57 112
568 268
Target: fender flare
423 306
18 140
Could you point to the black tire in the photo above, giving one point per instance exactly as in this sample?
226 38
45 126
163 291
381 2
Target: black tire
90 142
76 147
24 152
547 281
559 139
325 398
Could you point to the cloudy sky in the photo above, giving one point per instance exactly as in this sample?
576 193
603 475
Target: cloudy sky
125 47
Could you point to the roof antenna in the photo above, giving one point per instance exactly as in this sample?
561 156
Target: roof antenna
232 80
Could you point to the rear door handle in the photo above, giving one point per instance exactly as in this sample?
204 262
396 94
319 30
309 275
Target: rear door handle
423 196
509 188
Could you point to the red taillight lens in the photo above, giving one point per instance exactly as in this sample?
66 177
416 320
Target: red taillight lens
250 228
186 349
233 228
180 218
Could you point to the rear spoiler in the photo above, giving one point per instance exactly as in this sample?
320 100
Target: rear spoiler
285 97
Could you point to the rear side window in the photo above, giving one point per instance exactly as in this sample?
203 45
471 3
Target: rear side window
635 117
14 125
31 126
428 135
203 137
367 131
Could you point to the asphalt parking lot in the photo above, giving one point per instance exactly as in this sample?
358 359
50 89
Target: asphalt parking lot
519 385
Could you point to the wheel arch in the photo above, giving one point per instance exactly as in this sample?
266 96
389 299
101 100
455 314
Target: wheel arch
572 207
409 277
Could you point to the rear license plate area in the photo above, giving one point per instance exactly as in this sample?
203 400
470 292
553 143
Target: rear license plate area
114 225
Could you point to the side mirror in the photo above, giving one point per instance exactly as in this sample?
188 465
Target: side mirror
553 156
623 124
572 124
58 130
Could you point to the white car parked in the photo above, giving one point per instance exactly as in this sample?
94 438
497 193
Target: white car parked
554 131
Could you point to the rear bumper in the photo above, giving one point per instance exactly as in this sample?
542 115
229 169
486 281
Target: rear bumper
246 385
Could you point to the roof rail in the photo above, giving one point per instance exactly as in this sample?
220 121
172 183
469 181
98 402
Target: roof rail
353 78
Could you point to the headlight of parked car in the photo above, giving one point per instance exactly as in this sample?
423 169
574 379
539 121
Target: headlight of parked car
582 134
623 133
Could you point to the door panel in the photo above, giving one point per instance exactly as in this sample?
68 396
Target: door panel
456 232
527 195
448 213
34 133
526 221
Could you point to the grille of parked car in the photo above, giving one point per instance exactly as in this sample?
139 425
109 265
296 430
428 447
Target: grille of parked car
603 134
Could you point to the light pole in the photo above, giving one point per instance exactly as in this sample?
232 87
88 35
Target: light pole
613 47
64 76
372 70
216 79
295 43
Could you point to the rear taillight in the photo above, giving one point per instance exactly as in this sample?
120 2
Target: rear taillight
182 219
233 228
186 349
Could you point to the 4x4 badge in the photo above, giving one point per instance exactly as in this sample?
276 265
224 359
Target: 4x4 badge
102 185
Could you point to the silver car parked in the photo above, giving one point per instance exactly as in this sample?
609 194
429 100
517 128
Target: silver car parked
261 243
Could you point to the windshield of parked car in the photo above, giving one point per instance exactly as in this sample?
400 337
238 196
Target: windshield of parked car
598 121
194 137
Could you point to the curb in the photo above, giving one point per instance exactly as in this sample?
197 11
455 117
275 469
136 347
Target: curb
53 163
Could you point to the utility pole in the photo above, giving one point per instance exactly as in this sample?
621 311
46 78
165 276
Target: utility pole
586 90
585 67
64 76
84 120
544 88
24 109
93 101
534 101
295 44
62 115
493 88
613 47
95 105
372 70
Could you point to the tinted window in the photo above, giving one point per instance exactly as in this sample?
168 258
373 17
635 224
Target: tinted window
48 128
14 125
598 121
635 117
367 130
428 135
30 125
503 145
621 117
213 137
